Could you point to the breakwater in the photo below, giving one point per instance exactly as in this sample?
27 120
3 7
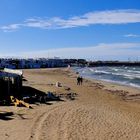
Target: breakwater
112 63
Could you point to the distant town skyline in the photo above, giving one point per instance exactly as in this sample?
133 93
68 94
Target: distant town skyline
92 30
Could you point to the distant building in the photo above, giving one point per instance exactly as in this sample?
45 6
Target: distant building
39 63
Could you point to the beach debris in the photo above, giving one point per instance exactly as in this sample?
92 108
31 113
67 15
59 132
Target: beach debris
50 84
41 98
97 85
132 97
52 96
19 103
6 135
70 96
122 93
58 84
67 88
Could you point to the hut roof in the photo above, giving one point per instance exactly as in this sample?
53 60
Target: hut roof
10 72
18 72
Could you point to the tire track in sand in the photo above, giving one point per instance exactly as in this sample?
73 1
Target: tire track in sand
66 122
36 128
53 123
84 121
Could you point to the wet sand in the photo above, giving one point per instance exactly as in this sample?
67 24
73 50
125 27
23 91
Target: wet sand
99 110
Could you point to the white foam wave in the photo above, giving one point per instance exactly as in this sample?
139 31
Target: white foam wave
134 85
125 76
103 72
115 69
129 75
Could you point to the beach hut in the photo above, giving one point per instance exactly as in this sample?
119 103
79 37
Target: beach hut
10 83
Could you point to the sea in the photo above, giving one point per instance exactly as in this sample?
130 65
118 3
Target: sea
123 75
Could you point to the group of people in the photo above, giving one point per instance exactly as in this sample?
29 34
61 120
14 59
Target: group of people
79 80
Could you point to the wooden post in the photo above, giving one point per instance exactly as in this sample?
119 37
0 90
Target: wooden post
8 84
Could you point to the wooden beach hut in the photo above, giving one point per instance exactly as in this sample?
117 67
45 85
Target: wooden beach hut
10 83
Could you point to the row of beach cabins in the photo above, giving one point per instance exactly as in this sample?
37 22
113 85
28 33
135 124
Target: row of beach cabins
38 63
30 63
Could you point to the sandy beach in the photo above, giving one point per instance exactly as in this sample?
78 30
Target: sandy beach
98 110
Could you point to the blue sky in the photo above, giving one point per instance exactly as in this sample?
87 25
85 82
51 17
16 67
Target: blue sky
91 29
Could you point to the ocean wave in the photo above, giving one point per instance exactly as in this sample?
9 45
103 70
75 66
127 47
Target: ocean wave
115 69
134 85
121 75
129 75
102 72
131 71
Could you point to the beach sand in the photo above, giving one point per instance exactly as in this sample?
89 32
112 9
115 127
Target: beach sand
99 110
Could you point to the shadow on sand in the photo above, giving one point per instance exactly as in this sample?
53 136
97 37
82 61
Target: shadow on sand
29 95
33 96
6 116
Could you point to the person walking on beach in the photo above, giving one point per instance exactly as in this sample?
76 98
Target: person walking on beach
81 80
78 80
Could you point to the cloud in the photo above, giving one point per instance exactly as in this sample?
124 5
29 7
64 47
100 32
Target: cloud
132 35
91 18
10 27
101 51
